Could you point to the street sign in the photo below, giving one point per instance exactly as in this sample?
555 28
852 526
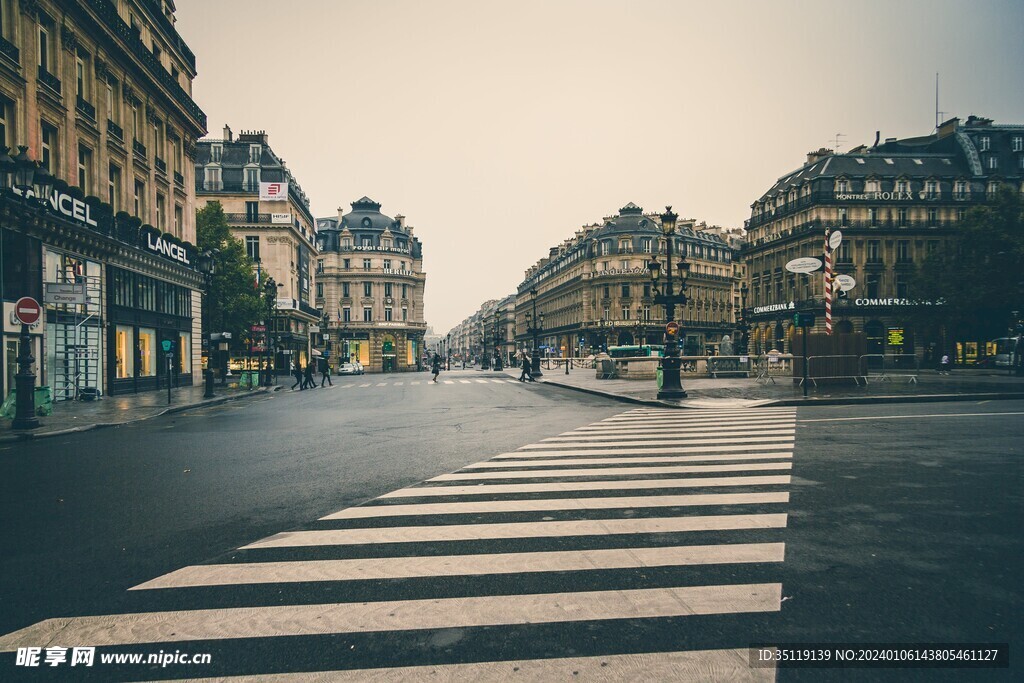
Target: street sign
166 344
835 239
672 329
846 282
804 319
63 293
807 264
27 310
257 328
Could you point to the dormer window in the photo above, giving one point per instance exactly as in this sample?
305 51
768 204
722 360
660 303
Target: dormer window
625 246
252 179
842 187
901 185
984 144
960 189
386 243
255 152
930 189
216 152
346 243
872 186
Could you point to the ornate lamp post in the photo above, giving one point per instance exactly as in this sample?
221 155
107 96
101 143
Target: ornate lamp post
497 339
448 352
207 266
744 325
642 324
671 388
270 292
537 323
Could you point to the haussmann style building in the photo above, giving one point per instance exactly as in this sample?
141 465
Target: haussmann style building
894 202
594 289
99 94
370 284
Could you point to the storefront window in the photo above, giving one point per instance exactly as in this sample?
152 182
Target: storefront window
147 352
185 352
124 359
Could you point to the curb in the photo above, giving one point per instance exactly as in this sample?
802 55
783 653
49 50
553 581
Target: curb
785 402
31 436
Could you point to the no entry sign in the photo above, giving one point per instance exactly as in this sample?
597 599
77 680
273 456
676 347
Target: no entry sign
672 328
27 310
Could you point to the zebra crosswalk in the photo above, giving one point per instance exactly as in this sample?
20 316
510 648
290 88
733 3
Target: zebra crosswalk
601 553
363 384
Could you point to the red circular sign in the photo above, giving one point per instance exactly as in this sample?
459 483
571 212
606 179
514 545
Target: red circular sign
27 310
672 328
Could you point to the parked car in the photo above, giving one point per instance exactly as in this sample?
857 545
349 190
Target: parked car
350 369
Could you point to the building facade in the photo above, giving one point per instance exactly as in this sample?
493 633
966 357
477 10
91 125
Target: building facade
594 290
371 269
894 203
269 213
99 93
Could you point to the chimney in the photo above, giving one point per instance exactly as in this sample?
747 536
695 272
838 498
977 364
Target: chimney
878 136
227 133
340 212
821 153
400 219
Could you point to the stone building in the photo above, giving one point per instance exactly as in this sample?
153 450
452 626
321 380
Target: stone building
894 202
99 93
594 289
371 269
267 211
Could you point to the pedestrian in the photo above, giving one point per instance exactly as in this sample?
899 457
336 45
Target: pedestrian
526 374
309 380
944 364
325 373
435 367
297 374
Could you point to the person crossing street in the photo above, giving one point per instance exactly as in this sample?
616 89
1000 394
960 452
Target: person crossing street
435 367
325 373
526 375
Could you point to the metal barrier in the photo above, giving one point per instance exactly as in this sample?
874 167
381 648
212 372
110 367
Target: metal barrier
772 365
729 366
834 367
883 367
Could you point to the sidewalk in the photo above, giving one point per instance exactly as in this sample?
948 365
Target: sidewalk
705 392
80 416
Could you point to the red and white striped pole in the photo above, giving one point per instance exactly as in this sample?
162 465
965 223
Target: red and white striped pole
828 283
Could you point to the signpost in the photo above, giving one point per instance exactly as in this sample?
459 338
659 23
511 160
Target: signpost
27 311
806 264
672 329
804 321
167 345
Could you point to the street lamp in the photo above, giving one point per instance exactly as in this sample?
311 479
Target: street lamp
671 388
642 324
448 352
744 325
537 326
497 340
207 266
270 292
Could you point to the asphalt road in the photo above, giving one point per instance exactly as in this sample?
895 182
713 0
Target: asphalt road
903 526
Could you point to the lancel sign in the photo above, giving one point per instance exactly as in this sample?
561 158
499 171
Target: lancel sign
65 204
166 245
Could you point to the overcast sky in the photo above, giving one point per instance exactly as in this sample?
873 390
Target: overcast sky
499 128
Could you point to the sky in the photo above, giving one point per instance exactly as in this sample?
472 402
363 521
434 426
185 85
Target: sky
499 128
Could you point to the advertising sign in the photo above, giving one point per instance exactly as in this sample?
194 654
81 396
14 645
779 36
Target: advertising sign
273 192
807 264
894 336
63 293
846 282
835 239
281 218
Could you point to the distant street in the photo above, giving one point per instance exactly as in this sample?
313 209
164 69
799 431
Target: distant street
502 522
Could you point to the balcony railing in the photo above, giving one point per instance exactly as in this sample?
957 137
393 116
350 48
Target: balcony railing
85 108
107 12
49 80
115 130
179 179
160 164
9 50
248 217
139 149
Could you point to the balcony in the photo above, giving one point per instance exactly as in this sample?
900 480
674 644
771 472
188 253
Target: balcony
85 108
49 80
8 49
139 149
160 165
107 12
115 130
248 217
179 179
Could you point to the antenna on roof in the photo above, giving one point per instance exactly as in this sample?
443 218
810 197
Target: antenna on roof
836 142
937 100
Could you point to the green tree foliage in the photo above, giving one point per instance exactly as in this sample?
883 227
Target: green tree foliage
979 277
233 303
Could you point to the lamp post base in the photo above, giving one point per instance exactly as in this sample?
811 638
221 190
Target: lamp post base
671 394
208 381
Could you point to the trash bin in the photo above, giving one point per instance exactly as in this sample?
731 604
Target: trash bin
661 376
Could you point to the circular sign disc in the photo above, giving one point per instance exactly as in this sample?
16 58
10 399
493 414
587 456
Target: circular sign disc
807 264
27 310
835 239
846 282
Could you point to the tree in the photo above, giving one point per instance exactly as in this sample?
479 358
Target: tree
978 279
233 303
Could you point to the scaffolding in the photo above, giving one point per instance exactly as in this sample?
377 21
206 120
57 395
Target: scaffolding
74 341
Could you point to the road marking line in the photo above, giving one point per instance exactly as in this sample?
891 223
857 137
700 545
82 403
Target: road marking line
615 471
364 385
690 426
396 615
548 504
464 381
665 459
681 435
567 486
694 665
656 450
448 381
513 381
348 386
464 565
382 384
476 532
414 383
904 417
710 457
481 381
698 414
498 381
622 442
398 384
689 423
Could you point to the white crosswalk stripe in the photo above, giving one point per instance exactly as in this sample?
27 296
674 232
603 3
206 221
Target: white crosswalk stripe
648 492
